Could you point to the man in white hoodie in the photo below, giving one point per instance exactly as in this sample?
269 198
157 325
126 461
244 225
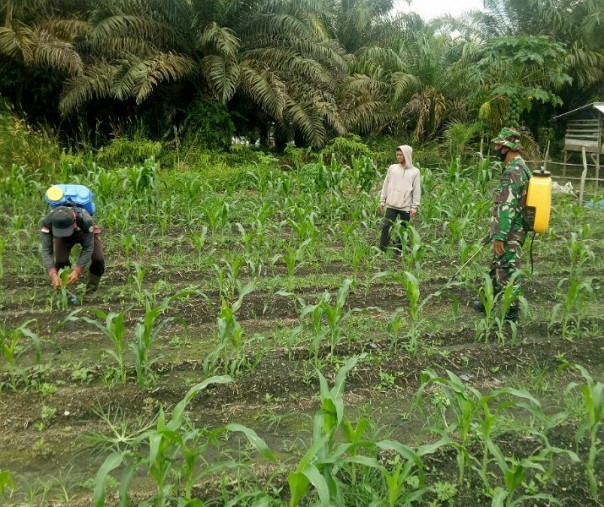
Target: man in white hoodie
401 194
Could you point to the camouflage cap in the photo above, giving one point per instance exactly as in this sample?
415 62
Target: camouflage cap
509 137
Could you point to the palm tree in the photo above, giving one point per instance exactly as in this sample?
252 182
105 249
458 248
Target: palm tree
270 53
412 83
39 34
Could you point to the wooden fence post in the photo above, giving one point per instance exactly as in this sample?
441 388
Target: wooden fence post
583 176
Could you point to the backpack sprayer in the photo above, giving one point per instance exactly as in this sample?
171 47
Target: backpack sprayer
70 195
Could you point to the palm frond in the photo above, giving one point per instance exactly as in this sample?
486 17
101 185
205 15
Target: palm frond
161 68
49 51
65 29
222 74
264 88
304 118
219 40
96 82
13 41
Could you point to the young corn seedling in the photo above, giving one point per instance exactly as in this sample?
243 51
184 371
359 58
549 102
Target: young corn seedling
216 215
486 295
228 353
113 328
593 419
64 297
171 452
11 347
304 225
324 458
410 284
294 260
145 334
573 310
227 275
336 315
515 471
509 296
198 239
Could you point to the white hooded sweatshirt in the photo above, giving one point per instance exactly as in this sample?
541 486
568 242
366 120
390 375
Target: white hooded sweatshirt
402 186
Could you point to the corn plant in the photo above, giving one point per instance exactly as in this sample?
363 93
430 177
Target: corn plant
131 245
572 311
228 353
304 224
509 296
140 293
113 328
340 455
7 484
216 215
143 179
325 457
487 296
410 284
198 239
323 311
515 471
227 275
145 334
11 347
294 259
335 315
579 252
593 419
473 416
62 298
170 452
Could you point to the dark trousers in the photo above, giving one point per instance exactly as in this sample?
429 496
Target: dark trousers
62 249
393 215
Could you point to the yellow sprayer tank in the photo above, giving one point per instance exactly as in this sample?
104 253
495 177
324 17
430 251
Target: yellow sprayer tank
539 199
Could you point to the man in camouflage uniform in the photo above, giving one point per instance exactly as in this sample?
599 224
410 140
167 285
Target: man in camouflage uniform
507 231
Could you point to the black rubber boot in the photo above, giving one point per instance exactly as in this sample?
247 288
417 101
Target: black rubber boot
93 283
513 314
479 307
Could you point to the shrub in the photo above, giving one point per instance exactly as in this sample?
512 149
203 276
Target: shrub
124 151
345 149
23 145
208 125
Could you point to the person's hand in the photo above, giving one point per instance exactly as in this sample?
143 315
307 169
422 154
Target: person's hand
74 276
55 281
498 248
412 213
382 207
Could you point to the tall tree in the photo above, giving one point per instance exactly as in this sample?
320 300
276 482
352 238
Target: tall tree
269 52
38 35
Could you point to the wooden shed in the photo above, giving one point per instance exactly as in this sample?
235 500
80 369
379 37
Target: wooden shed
585 131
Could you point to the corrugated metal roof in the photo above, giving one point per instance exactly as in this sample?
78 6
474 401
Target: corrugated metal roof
595 105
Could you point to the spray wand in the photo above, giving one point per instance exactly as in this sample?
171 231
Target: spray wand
485 241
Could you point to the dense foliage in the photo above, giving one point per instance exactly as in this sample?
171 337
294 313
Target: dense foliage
303 70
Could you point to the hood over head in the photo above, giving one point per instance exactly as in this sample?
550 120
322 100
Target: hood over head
408 152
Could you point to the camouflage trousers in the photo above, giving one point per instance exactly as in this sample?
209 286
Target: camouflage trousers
504 267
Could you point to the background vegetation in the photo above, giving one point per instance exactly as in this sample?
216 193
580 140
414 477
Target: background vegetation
305 70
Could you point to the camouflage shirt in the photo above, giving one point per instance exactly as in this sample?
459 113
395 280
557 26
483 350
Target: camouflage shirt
510 198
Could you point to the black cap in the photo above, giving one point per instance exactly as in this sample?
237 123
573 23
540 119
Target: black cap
63 219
